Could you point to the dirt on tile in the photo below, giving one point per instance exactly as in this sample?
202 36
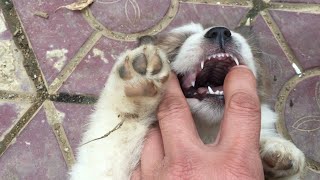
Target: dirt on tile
29 60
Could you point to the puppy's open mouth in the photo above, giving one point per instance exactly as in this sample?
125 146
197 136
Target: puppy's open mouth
207 78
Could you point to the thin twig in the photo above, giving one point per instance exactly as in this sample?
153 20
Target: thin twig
106 135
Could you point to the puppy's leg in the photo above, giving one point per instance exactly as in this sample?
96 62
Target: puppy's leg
281 158
126 108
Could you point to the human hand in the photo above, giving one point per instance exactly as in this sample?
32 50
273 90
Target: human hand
175 151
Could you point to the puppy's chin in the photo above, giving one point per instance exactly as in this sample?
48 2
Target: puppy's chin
207 111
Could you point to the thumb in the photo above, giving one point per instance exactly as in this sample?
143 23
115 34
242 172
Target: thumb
242 117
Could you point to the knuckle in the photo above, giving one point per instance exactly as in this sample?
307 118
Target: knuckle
182 168
244 103
172 106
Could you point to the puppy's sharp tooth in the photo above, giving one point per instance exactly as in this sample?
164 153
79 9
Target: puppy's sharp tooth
219 55
217 92
227 55
221 92
210 90
202 64
236 61
222 55
214 56
193 83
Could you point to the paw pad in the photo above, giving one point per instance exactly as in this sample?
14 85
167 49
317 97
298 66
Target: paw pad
145 69
140 64
276 161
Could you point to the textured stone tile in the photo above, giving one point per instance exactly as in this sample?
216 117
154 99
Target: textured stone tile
129 16
91 74
301 31
297 1
35 154
212 15
54 40
10 113
76 117
12 73
13 76
4 31
302 116
272 57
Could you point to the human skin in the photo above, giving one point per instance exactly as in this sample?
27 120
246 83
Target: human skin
174 150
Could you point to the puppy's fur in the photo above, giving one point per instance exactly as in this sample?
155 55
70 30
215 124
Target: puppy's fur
134 90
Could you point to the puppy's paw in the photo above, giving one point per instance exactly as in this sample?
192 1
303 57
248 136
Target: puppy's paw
145 70
281 159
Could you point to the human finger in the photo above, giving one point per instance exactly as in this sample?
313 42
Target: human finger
175 120
242 117
152 154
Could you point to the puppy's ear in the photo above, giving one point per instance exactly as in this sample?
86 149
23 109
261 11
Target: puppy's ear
170 43
146 40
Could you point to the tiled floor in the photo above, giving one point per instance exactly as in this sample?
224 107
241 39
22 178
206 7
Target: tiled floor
47 94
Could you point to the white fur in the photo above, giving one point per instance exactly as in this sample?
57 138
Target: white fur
116 156
188 28
245 51
187 61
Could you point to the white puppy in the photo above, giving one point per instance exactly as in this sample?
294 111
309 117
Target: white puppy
127 106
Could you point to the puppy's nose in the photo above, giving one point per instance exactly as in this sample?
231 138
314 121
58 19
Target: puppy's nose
219 34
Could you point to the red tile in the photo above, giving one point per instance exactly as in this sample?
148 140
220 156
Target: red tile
206 14
12 73
10 112
298 1
301 31
76 117
129 16
35 154
302 116
273 57
91 74
4 31
54 40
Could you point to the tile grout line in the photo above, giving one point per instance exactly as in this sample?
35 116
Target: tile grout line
239 3
256 7
162 24
17 128
296 7
71 66
21 40
17 96
84 99
280 107
277 34
55 122
60 134
33 71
